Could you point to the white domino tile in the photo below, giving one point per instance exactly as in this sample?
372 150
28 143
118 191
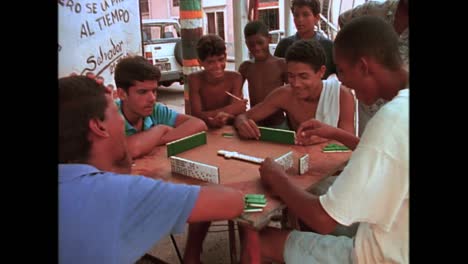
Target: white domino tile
286 160
303 164
195 169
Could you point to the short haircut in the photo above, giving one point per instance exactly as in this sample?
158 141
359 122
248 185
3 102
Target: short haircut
255 27
134 68
80 100
309 52
369 36
314 5
210 45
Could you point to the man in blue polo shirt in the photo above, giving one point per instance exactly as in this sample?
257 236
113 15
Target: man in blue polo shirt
105 214
147 123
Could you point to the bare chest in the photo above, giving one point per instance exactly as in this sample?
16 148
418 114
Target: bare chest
214 96
263 80
300 112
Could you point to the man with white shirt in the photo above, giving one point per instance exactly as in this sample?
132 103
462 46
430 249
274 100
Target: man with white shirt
373 189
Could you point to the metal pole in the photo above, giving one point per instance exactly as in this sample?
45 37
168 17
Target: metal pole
240 20
288 18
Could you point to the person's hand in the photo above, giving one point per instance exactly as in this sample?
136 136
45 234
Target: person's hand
240 106
246 127
313 132
270 171
219 120
98 79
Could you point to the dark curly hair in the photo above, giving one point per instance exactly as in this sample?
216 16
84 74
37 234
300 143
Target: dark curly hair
80 100
255 27
307 51
210 45
134 68
314 5
369 36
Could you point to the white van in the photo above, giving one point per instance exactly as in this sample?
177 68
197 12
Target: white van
163 48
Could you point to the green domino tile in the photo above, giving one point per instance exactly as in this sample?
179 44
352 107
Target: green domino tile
335 147
252 200
277 135
228 135
178 146
255 196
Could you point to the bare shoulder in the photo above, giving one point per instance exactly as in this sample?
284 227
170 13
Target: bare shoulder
245 65
233 75
194 80
345 90
279 60
195 76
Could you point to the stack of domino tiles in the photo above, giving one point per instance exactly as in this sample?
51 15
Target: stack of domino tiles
254 203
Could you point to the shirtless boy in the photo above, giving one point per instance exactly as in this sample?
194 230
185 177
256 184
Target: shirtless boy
264 72
305 97
208 98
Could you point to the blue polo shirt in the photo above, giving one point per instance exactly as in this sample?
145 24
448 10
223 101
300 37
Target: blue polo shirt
161 115
106 217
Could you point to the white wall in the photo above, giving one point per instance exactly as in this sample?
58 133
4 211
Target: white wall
94 35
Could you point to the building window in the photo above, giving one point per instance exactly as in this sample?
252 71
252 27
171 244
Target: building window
175 2
144 8
216 23
270 17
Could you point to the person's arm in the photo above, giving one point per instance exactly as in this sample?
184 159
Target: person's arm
217 117
243 68
142 143
310 128
185 125
245 123
235 107
302 203
216 202
284 71
347 110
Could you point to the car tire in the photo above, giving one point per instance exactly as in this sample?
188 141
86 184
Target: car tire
166 83
178 52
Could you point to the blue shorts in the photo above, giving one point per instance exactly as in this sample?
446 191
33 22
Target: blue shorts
309 247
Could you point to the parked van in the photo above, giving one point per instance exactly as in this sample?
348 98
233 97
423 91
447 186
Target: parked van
162 47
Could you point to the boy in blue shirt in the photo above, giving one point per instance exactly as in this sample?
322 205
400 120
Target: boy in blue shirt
147 123
107 215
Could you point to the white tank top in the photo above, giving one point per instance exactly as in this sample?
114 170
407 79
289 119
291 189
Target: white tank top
328 109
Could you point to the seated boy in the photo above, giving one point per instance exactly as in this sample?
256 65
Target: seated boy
264 72
147 123
208 98
306 96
